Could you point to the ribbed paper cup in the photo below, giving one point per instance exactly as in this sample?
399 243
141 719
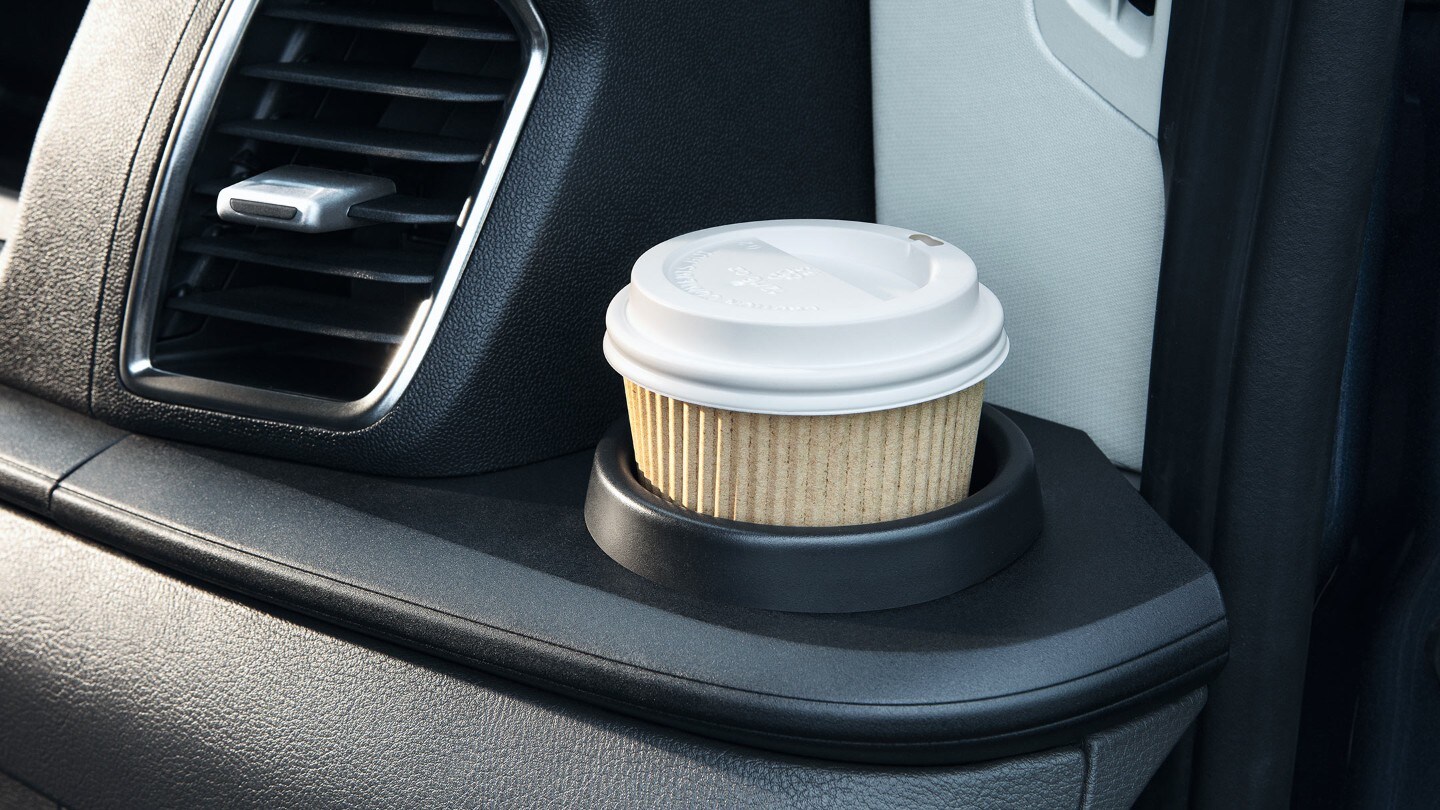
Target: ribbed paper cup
805 372
837 470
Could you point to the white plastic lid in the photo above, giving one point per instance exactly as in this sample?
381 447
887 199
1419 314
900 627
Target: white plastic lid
805 317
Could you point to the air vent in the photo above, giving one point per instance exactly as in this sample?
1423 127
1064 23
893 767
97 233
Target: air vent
325 327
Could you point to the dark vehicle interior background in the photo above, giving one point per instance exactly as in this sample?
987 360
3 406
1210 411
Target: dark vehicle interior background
304 519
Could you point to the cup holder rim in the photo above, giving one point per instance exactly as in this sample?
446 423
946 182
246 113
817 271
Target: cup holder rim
821 569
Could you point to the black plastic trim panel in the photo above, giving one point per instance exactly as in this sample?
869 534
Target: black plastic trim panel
821 569
646 125
41 443
1105 617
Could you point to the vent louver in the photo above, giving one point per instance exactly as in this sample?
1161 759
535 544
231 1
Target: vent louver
326 327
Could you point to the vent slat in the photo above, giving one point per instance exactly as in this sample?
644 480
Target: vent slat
213 187
405 210
426 84
358 140
414 91
312 256
452 26
301 311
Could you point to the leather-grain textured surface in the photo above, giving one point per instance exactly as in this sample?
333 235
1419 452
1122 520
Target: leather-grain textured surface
123 687
1119 762
15 795
650 121
96 150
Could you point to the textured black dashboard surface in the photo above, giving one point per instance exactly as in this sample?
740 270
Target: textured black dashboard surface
86 184
1106 615
651 120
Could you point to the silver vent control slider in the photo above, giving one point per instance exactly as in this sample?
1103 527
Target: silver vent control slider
300 198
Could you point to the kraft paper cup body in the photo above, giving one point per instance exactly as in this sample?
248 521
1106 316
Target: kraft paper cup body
805 372
837 470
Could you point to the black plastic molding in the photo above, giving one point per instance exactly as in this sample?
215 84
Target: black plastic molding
1106 616
830 569
40 443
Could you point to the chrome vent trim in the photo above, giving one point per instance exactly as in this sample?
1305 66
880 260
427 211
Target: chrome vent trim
158 236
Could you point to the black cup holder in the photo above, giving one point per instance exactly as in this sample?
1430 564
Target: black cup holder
838 569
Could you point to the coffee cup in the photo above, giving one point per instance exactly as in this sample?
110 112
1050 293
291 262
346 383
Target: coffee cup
805 372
